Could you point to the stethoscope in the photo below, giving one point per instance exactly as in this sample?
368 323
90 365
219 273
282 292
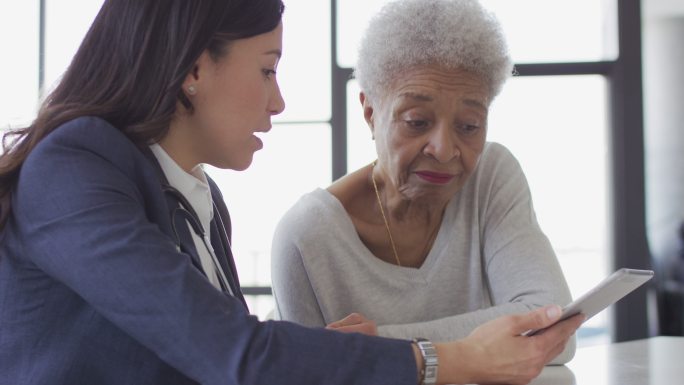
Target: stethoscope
187 212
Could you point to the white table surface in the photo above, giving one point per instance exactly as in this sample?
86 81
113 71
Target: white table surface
652 361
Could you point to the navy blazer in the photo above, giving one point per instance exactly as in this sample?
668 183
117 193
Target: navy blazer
94 291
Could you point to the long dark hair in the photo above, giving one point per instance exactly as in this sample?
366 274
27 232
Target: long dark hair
130 67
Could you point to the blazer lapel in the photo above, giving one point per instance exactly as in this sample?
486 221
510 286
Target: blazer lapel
221 244
220 233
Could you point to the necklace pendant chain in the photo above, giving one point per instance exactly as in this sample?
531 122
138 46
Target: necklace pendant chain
384 218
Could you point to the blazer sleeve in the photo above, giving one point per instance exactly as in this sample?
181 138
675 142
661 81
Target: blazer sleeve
85 213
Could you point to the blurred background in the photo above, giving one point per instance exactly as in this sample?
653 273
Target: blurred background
594 115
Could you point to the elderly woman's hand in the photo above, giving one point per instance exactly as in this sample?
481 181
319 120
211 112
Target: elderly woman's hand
354 323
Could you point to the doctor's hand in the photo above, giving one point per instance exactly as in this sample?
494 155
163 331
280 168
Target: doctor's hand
497 353
354 323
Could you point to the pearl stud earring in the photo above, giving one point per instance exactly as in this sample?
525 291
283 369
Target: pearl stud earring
192 90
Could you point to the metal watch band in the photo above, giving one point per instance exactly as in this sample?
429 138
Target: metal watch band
429 353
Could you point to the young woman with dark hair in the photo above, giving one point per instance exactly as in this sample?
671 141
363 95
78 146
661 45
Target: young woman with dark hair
115 261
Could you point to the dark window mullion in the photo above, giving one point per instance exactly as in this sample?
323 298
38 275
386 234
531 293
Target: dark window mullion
338 121
555 69
256 290
630 247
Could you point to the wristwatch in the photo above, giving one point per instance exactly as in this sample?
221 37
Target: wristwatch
429 353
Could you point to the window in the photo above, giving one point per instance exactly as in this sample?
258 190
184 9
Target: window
20 93
288 166
561 142
543 31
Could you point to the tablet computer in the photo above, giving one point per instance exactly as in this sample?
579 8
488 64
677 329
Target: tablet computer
607 292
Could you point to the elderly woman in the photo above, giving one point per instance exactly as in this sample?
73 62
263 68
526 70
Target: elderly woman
438 235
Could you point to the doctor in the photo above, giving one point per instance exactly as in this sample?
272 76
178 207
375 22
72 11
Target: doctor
115 263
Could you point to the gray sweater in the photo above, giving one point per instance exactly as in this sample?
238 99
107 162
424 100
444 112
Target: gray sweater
490 258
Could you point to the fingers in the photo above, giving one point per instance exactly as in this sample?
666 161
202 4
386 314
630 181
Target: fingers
354 323
566 327
558 335
556 350
368 328
351 319
537 319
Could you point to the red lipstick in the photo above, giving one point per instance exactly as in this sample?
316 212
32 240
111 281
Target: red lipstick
435 177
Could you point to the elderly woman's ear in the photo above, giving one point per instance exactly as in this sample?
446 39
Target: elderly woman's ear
367 112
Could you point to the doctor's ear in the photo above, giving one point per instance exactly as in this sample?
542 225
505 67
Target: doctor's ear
193 80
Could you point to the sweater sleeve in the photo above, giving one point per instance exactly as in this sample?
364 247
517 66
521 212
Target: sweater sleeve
294 296
521 265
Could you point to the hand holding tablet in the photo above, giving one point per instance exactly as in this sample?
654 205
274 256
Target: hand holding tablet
607 292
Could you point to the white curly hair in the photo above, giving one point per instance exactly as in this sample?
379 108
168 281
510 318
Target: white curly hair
455 34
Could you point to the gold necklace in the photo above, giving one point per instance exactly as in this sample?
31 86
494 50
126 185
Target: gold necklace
384 218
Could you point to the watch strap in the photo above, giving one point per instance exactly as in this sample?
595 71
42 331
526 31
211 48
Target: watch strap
428 373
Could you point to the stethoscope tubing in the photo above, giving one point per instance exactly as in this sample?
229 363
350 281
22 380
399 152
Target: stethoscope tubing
190 216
